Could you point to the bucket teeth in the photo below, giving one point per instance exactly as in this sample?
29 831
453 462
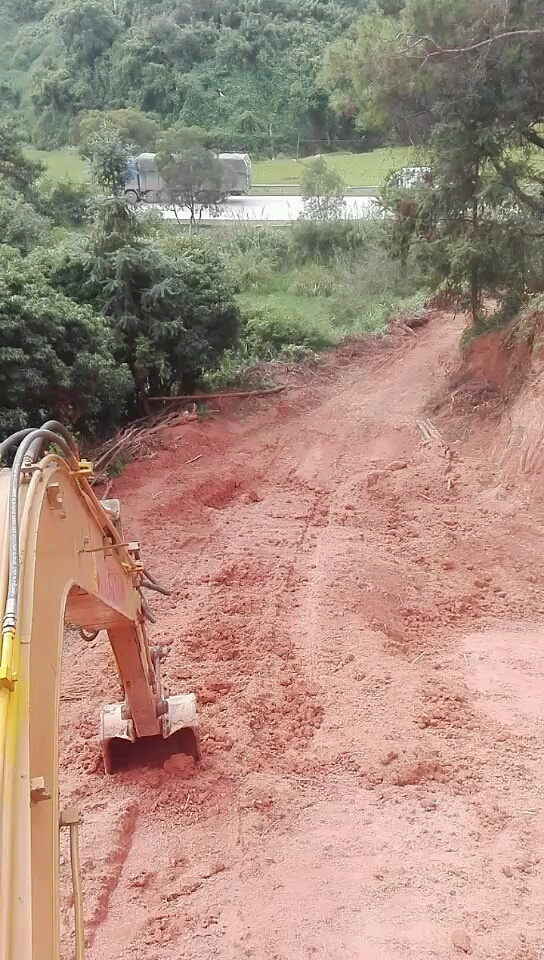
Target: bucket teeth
179 734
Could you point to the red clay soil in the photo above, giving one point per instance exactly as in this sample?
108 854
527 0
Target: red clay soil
360 613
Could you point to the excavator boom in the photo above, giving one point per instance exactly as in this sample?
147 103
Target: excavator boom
62 560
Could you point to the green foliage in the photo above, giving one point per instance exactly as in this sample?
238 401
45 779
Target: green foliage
310 296
170 305
465 80
178 138
65 203
323 192
16 170
55 356
322 241
270 332
311 280
250 71
192 176
133 126
108 156
21 226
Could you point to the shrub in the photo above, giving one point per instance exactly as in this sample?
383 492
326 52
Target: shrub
312 281
322 241
249 271
170 304
56 357
65 203
268 332
21 226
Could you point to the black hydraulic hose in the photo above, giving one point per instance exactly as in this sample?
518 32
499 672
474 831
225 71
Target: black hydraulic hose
38 446
155 585
10 615
12 441
146 608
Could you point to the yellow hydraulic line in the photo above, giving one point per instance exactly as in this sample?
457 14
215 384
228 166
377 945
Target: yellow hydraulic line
6 820
8 741
8 636
4 560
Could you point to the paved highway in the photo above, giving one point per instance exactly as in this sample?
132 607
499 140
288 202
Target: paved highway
277 209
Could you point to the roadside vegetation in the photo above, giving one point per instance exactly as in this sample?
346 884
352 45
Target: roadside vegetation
304 288
144 309
356 169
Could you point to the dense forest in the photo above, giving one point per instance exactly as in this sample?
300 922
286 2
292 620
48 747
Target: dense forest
248 70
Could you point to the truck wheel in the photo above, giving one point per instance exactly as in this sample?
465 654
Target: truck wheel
132 196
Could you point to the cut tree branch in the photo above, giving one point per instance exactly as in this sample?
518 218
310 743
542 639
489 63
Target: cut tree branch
239 395
533 138
532 202
457 51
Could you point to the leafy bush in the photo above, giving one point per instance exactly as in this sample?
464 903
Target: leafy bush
323 192
311 280
259 242
169 304
268 332
17 171
21 226
322 241
250 271
133 126
56 357
65 203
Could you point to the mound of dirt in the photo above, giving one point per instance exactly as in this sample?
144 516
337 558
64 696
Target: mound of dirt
501 376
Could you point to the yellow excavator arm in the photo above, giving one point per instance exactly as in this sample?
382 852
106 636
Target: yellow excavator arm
63 560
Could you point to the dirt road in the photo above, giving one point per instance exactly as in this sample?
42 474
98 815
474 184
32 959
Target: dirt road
360 613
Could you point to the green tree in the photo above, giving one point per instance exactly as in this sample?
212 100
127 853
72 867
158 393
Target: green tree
21 226
87 29
464 79
55 356
323 192
192 178
170 307
108 157
133 127
64 202
16 170
249 70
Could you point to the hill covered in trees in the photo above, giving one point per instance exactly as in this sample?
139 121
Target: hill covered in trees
247 69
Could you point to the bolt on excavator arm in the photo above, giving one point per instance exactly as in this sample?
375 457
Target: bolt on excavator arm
62 560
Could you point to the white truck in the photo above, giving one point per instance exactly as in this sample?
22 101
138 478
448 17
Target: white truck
144 181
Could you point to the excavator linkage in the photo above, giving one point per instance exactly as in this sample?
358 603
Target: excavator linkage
63 559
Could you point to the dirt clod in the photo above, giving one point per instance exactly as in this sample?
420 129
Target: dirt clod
180 765
461 941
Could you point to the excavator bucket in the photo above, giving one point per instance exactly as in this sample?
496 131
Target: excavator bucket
122 749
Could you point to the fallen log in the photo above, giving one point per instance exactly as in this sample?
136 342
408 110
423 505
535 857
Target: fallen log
238 395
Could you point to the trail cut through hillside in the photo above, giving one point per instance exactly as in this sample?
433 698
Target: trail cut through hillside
357 601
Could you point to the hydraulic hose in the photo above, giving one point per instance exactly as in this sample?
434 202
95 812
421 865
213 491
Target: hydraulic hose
10 613
9 730
155 585
40 444
12 441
